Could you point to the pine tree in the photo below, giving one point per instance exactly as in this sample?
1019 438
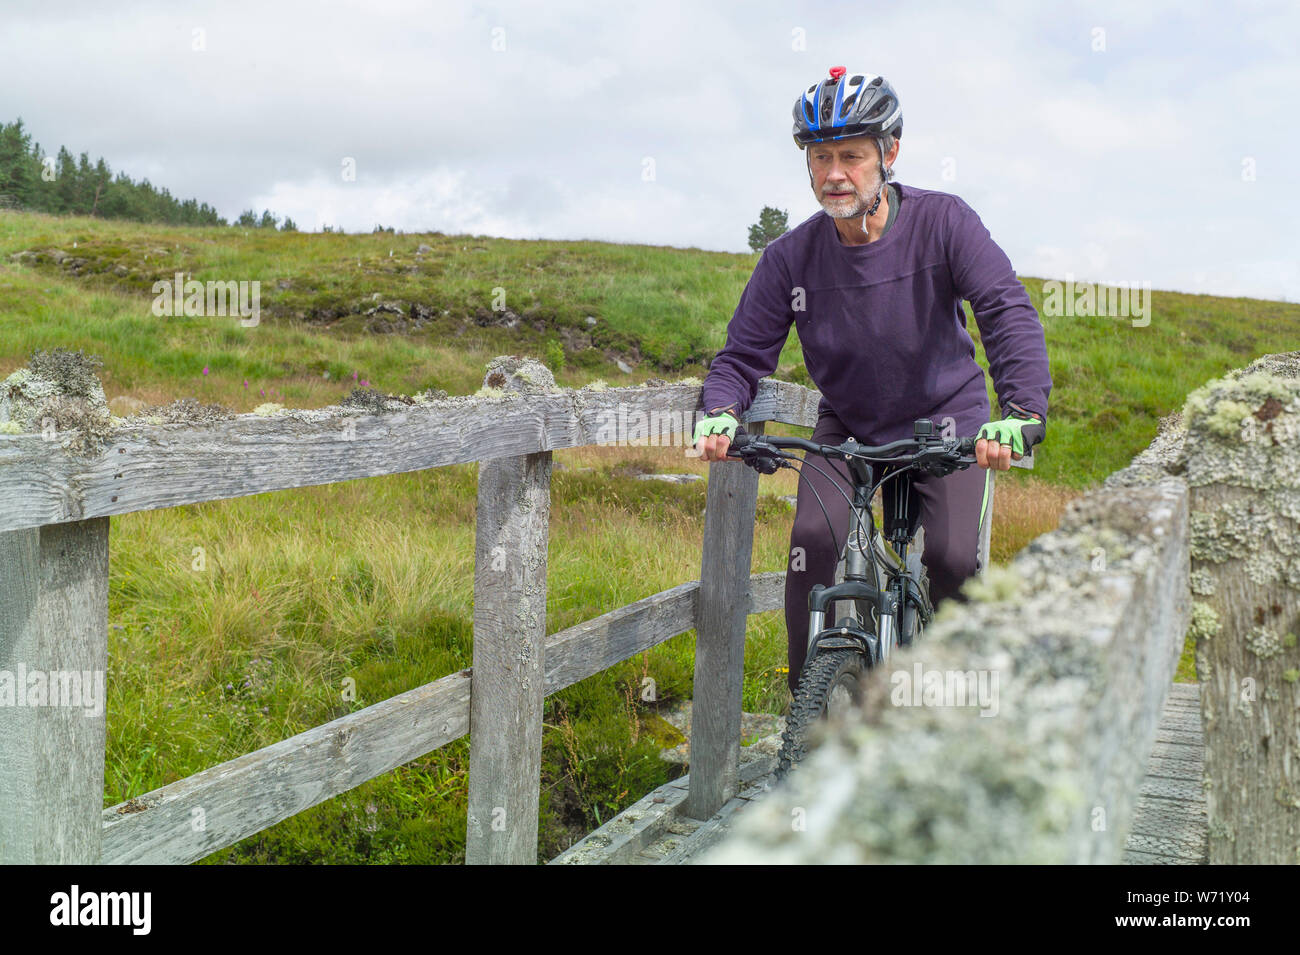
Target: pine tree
65 183
15 166
100 179
771 225
85 191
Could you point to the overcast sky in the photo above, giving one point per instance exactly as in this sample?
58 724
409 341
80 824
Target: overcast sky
1117 141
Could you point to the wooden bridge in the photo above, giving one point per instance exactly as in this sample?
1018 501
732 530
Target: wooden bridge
1170 824
53 616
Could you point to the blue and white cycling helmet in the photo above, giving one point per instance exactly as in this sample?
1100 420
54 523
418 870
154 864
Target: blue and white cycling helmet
840 106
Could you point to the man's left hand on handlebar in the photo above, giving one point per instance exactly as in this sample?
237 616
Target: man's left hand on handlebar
1001 442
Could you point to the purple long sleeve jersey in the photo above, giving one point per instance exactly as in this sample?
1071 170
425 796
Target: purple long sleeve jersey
881 325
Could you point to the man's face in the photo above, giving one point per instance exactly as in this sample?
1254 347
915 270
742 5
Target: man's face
845 175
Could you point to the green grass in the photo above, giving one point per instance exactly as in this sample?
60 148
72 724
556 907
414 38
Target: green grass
371 581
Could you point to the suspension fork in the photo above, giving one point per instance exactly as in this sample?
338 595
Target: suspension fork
888 616
871 589
899 524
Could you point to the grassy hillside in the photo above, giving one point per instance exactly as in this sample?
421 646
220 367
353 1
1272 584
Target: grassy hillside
664 311
372 579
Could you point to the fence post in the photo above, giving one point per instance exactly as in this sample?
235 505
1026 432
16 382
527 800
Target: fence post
508 689
720 633
53 668
1243 474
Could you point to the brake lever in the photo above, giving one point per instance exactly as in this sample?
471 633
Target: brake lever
943 460
760 456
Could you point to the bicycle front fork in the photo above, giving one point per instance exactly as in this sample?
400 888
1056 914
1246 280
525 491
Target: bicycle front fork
851 632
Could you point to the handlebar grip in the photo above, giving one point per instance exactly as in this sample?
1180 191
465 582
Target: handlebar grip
741 440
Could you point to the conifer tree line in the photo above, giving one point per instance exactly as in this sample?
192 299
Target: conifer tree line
62 185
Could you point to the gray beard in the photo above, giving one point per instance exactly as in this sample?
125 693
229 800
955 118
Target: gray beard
858 208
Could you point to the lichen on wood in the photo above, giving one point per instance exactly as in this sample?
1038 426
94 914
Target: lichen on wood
1243 469
59 396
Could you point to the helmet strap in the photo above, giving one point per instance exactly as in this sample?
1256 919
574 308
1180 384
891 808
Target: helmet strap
874 206
880 150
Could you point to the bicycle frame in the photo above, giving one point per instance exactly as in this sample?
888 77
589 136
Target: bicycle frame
887 597
900 589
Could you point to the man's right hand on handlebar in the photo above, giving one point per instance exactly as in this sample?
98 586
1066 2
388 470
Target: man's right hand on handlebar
713 434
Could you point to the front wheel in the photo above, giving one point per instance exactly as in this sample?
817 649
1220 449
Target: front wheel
829 684
913 624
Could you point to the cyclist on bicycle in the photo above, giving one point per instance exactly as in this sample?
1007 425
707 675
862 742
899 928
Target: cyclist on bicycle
873 284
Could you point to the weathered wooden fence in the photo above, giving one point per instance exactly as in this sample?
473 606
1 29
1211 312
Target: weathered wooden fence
54 522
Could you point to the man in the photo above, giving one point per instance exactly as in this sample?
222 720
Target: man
874 285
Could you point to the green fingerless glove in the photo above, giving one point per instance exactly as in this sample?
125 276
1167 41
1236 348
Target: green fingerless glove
1021 432
724 423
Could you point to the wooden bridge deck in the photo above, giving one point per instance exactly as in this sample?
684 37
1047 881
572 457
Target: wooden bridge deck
1169 824
655 830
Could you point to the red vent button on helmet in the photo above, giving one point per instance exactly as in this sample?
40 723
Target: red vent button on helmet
837 72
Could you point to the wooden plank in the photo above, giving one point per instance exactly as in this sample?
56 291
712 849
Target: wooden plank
1175 768
649 831
1189 752
509 686
53 632
1135 857
198 815
986 526
623 837
767 591
1166 788
1177 721
588 648
706 835
1184 737
720 634
154 466
1193 849
1169 819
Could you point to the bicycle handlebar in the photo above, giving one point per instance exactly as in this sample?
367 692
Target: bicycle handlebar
947 454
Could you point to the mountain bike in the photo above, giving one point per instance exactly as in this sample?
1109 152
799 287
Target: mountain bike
884 585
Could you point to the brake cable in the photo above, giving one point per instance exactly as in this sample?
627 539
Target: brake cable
786 458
